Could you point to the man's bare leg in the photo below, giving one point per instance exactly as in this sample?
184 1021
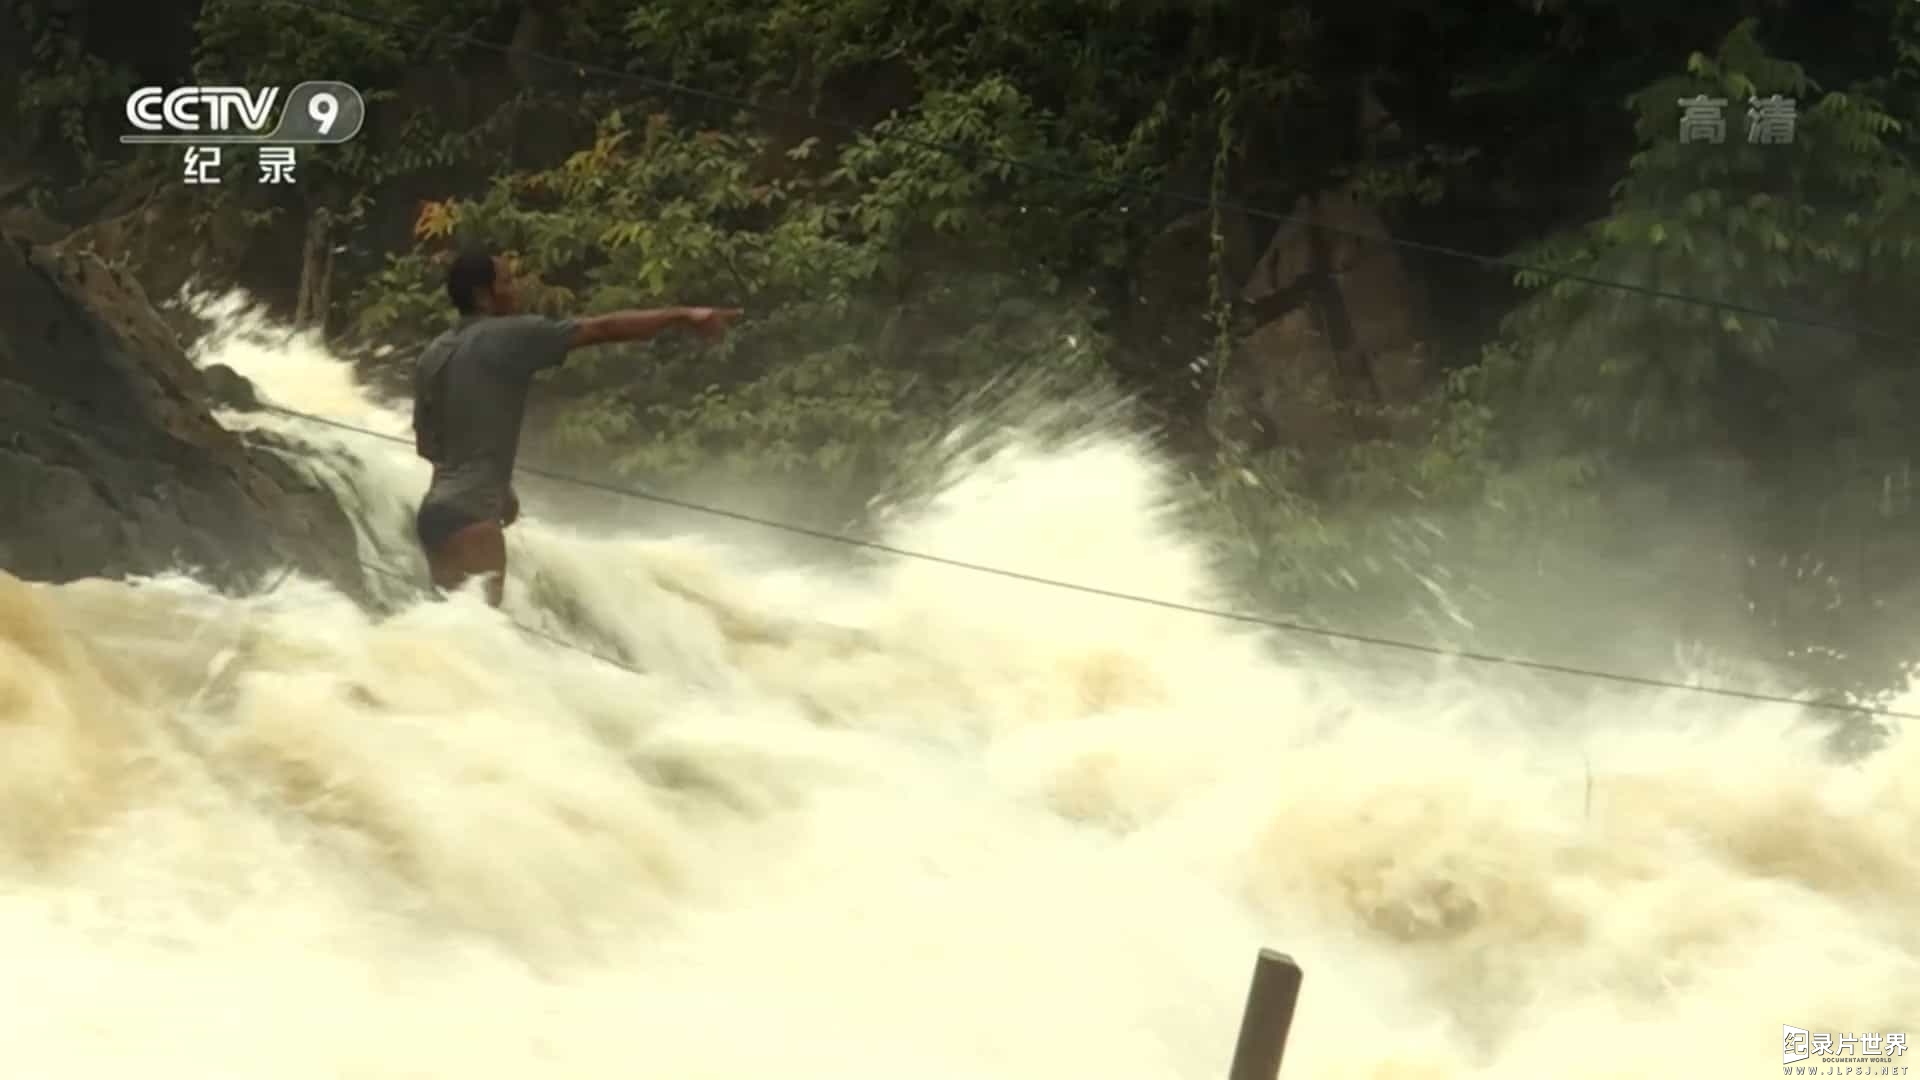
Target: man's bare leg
479 550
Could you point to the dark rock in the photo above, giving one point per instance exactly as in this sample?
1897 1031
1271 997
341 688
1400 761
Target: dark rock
188 325
110 461
32 225
158 230
1339 323
230 389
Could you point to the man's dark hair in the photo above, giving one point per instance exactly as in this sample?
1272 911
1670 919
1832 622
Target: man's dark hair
471 271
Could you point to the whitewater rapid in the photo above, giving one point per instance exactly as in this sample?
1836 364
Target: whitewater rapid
910 823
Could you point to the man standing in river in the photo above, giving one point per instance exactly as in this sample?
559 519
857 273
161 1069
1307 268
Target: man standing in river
470 396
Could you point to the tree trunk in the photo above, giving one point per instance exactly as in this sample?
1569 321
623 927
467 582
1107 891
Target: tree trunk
316 270
530 34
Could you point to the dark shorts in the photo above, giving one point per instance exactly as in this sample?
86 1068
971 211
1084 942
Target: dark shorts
436 522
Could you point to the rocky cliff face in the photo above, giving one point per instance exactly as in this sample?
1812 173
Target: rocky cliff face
1339 319
110 461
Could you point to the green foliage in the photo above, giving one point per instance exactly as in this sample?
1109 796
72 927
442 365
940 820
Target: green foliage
867 316
1099 67
991 204
64 89
1792 436
1631 458
266 43
966 231
1822 227
1116 94
278 44
890 273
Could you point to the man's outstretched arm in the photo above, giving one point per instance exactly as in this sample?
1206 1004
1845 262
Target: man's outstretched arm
639 325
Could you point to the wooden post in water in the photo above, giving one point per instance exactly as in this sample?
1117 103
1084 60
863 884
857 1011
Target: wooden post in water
1269 1016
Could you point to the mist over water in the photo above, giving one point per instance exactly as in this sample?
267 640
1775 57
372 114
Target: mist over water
911 822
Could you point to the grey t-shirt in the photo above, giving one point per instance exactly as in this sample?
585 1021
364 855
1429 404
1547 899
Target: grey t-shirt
469 397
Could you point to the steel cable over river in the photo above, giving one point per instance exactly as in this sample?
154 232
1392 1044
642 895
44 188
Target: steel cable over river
1263 621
